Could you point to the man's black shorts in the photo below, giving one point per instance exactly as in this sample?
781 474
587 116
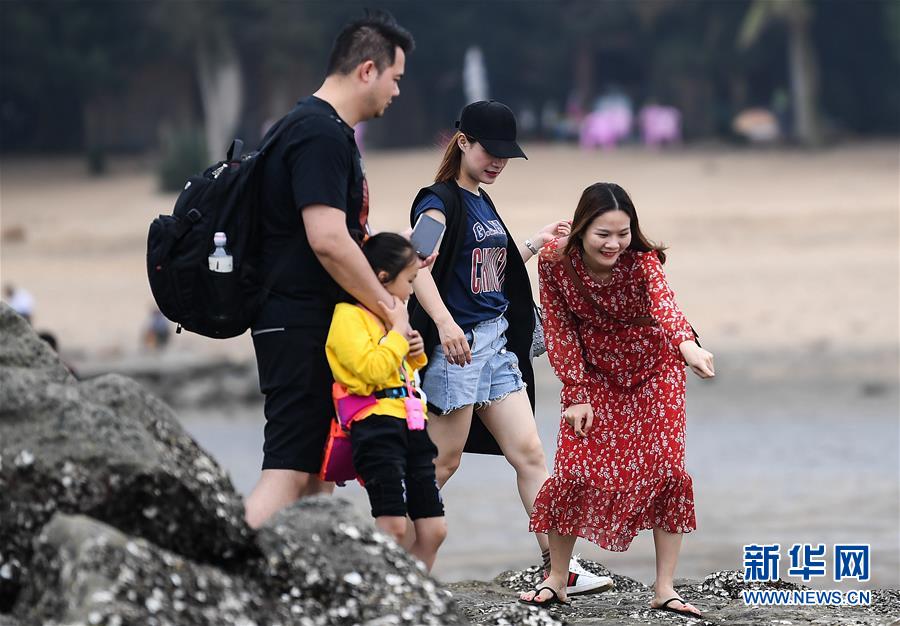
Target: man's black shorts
296 380
397 467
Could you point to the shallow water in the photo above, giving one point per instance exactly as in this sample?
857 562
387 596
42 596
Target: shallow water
772 462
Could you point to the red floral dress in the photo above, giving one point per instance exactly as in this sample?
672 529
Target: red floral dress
628 473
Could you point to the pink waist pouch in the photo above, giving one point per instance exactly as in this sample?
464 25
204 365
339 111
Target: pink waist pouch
337 463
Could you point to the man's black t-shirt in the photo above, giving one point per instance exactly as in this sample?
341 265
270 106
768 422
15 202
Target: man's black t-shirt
316 161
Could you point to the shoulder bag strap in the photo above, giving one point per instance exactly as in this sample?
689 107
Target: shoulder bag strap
583 290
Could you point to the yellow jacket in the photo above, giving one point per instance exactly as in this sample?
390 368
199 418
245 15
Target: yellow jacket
365 360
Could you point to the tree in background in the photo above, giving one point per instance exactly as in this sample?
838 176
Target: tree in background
57 56
76 75
796 16
202 32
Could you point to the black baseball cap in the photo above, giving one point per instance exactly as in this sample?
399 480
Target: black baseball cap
494 126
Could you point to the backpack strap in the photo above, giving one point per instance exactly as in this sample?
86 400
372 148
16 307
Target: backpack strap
236 148
278 129
286 122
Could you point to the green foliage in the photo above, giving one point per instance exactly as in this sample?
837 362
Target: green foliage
184 155
892 27
56 57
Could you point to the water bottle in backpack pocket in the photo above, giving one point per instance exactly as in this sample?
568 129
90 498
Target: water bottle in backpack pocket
197 281
206 288
220 287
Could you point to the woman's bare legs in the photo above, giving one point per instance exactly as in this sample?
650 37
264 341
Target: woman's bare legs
449 433
668 546
512 424
561 547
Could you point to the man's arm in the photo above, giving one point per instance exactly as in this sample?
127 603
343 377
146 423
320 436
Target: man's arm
326 230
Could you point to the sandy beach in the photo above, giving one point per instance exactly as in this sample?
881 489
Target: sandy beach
773 250
786 262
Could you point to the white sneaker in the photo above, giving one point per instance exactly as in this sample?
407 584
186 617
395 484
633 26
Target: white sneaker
583 582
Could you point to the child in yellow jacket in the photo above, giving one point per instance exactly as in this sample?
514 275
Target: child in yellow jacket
392 451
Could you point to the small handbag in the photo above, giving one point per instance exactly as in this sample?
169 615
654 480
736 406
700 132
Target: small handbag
337 462
538 343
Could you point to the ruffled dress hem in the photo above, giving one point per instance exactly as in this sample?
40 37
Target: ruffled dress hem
612 519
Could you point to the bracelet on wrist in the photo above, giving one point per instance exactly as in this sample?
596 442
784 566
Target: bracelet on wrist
530 245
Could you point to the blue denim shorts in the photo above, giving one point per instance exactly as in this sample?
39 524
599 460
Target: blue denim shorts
492 375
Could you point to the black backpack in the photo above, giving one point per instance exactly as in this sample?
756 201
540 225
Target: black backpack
224 198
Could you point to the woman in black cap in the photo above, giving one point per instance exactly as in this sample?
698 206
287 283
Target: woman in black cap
476 315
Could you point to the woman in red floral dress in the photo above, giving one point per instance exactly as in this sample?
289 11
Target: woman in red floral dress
618 343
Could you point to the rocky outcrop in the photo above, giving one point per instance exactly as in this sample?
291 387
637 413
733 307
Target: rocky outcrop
86 572
107 449
718 596
111 514
322 554
311 571
185 380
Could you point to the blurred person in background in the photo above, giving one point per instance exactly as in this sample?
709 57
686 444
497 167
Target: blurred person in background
619 343
19 301
475 312
157 330
315 214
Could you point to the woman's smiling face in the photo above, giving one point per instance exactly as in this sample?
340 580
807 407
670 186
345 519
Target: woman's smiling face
479 165
607 237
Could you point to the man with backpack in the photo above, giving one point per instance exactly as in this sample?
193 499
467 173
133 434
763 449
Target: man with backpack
315 209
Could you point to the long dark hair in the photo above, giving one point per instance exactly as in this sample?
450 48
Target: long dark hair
390 253
449 168
601 198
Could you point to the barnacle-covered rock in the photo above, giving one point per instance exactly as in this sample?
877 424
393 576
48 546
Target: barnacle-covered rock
320 552
106 448
86 572
730 584
528 578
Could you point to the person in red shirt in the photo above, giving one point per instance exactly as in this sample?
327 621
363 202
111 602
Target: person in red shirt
619 344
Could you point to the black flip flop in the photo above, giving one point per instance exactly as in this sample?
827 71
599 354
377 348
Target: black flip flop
683 612
553 599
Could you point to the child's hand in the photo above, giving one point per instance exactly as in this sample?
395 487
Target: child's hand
397 315
416 344
699 360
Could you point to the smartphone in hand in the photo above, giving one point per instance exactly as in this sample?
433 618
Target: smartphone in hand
426 235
